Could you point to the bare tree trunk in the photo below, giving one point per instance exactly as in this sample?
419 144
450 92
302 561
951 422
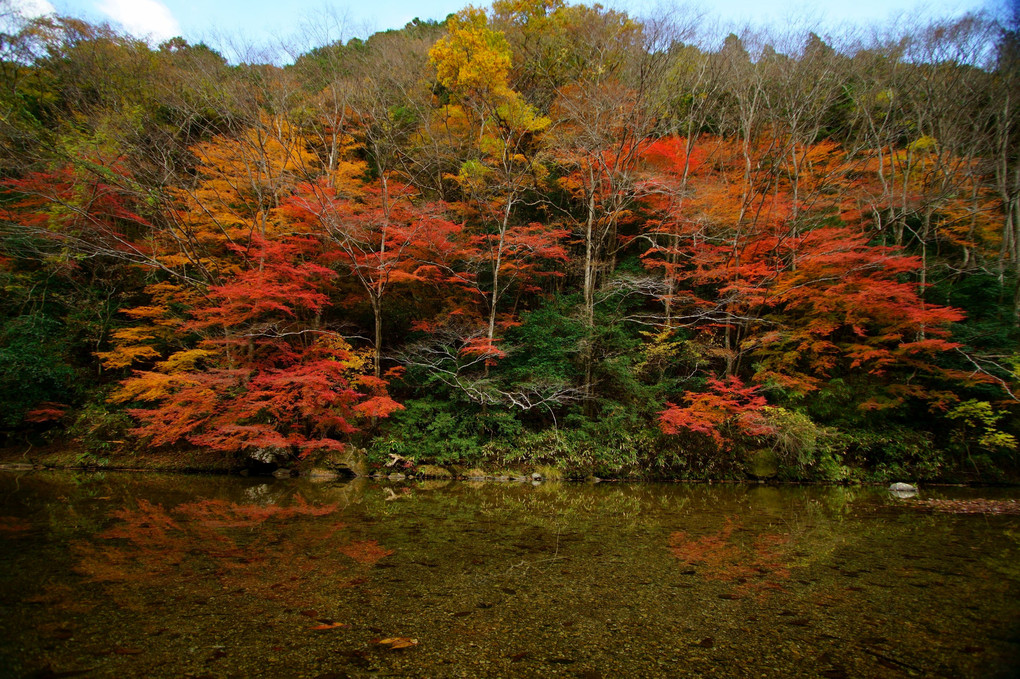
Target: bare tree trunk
589 299
589 265
377 312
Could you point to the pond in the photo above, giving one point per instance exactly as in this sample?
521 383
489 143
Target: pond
124 575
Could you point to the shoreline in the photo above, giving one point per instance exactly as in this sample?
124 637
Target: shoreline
359 463
486 476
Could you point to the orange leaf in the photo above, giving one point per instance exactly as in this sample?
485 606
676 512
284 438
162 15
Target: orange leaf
398 642
378 406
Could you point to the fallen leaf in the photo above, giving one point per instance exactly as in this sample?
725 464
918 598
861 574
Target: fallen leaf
398 642
977 506
329 625
127 651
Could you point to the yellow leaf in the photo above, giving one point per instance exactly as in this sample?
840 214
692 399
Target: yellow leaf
398 642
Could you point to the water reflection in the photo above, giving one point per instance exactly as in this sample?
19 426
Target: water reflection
265 551
176 576
760 566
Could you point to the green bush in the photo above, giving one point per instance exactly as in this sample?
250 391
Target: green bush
33 368
890 453
99 431
441 431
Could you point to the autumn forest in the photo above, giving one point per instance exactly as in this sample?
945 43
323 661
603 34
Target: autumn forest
537 236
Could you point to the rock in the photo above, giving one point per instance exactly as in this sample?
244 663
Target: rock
522 479
354 460
321 474
282 473
269 455
902 491
474 474
349 462
396 477
536 477
430 471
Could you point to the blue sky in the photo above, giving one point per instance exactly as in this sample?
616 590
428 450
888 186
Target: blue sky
302 21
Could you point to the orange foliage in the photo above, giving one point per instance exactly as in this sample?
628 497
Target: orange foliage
745 255
728 405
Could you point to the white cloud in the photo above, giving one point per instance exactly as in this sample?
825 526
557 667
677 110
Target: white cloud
14 13
144 18
33 8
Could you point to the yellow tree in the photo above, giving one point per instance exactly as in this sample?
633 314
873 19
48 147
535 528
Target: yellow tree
212 229
473 63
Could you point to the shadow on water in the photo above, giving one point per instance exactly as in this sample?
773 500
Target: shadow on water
169 576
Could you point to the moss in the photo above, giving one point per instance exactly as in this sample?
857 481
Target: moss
763 464
430 471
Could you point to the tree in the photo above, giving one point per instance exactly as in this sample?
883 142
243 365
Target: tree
380 239
473 62
727 408
263 378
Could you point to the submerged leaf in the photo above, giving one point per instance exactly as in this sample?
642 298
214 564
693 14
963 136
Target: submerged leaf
398 642
329 625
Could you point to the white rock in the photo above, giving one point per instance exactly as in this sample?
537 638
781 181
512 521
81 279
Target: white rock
902 491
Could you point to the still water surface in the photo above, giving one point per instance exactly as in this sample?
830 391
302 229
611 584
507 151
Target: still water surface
125 575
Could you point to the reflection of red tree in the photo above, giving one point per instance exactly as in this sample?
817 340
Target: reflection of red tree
271 551
365 551
755 568
12 525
